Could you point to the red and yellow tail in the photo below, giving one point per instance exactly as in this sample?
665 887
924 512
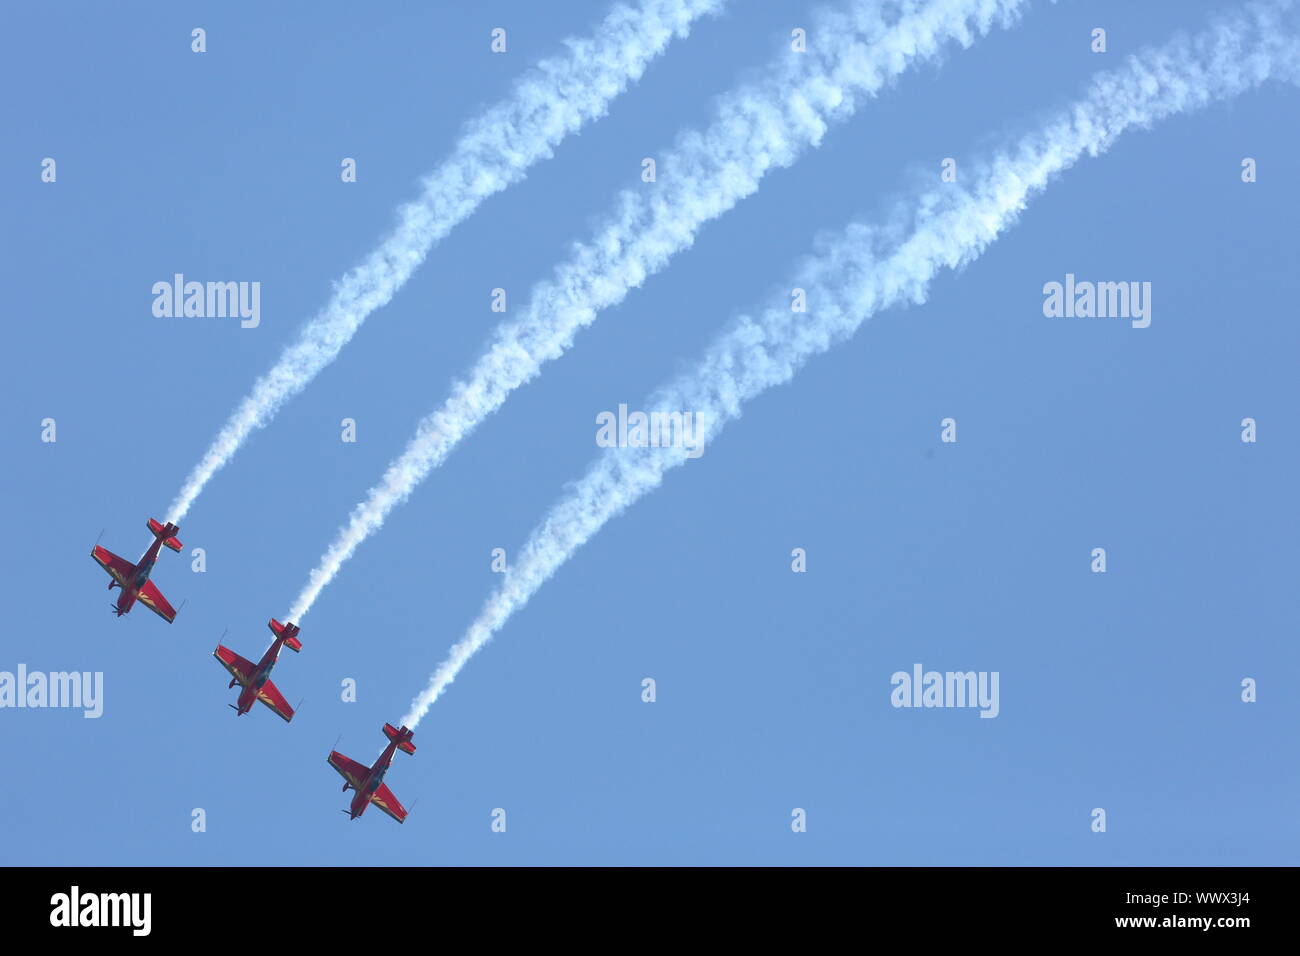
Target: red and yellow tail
167 531
290 632
402 737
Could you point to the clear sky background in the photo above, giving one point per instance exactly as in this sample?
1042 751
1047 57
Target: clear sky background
1119 690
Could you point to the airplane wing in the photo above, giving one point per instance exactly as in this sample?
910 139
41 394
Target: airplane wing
271 696
120 568
383 798
152 598
241 669
351 771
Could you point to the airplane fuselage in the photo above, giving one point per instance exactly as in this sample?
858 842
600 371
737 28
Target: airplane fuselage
143 568
126 600
260 676
372 781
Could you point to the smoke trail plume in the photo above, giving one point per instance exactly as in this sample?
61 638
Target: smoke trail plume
864 270
758 127
553 99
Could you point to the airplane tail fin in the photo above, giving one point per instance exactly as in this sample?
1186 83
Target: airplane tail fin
290 632
402 737
166 531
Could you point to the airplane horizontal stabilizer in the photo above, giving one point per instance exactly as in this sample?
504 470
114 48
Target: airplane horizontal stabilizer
170 530
403 738
290 631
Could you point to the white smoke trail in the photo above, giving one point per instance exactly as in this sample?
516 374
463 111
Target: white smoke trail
847 284
759 126
553 99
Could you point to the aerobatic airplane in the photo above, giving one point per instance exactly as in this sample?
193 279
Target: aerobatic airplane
368 782
133 579
255 678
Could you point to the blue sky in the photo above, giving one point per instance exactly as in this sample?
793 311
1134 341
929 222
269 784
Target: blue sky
1118 690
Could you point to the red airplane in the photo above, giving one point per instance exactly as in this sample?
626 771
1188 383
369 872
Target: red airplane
133 579
368 782
255 678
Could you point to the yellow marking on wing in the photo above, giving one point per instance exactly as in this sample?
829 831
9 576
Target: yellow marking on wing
107 566
346 775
